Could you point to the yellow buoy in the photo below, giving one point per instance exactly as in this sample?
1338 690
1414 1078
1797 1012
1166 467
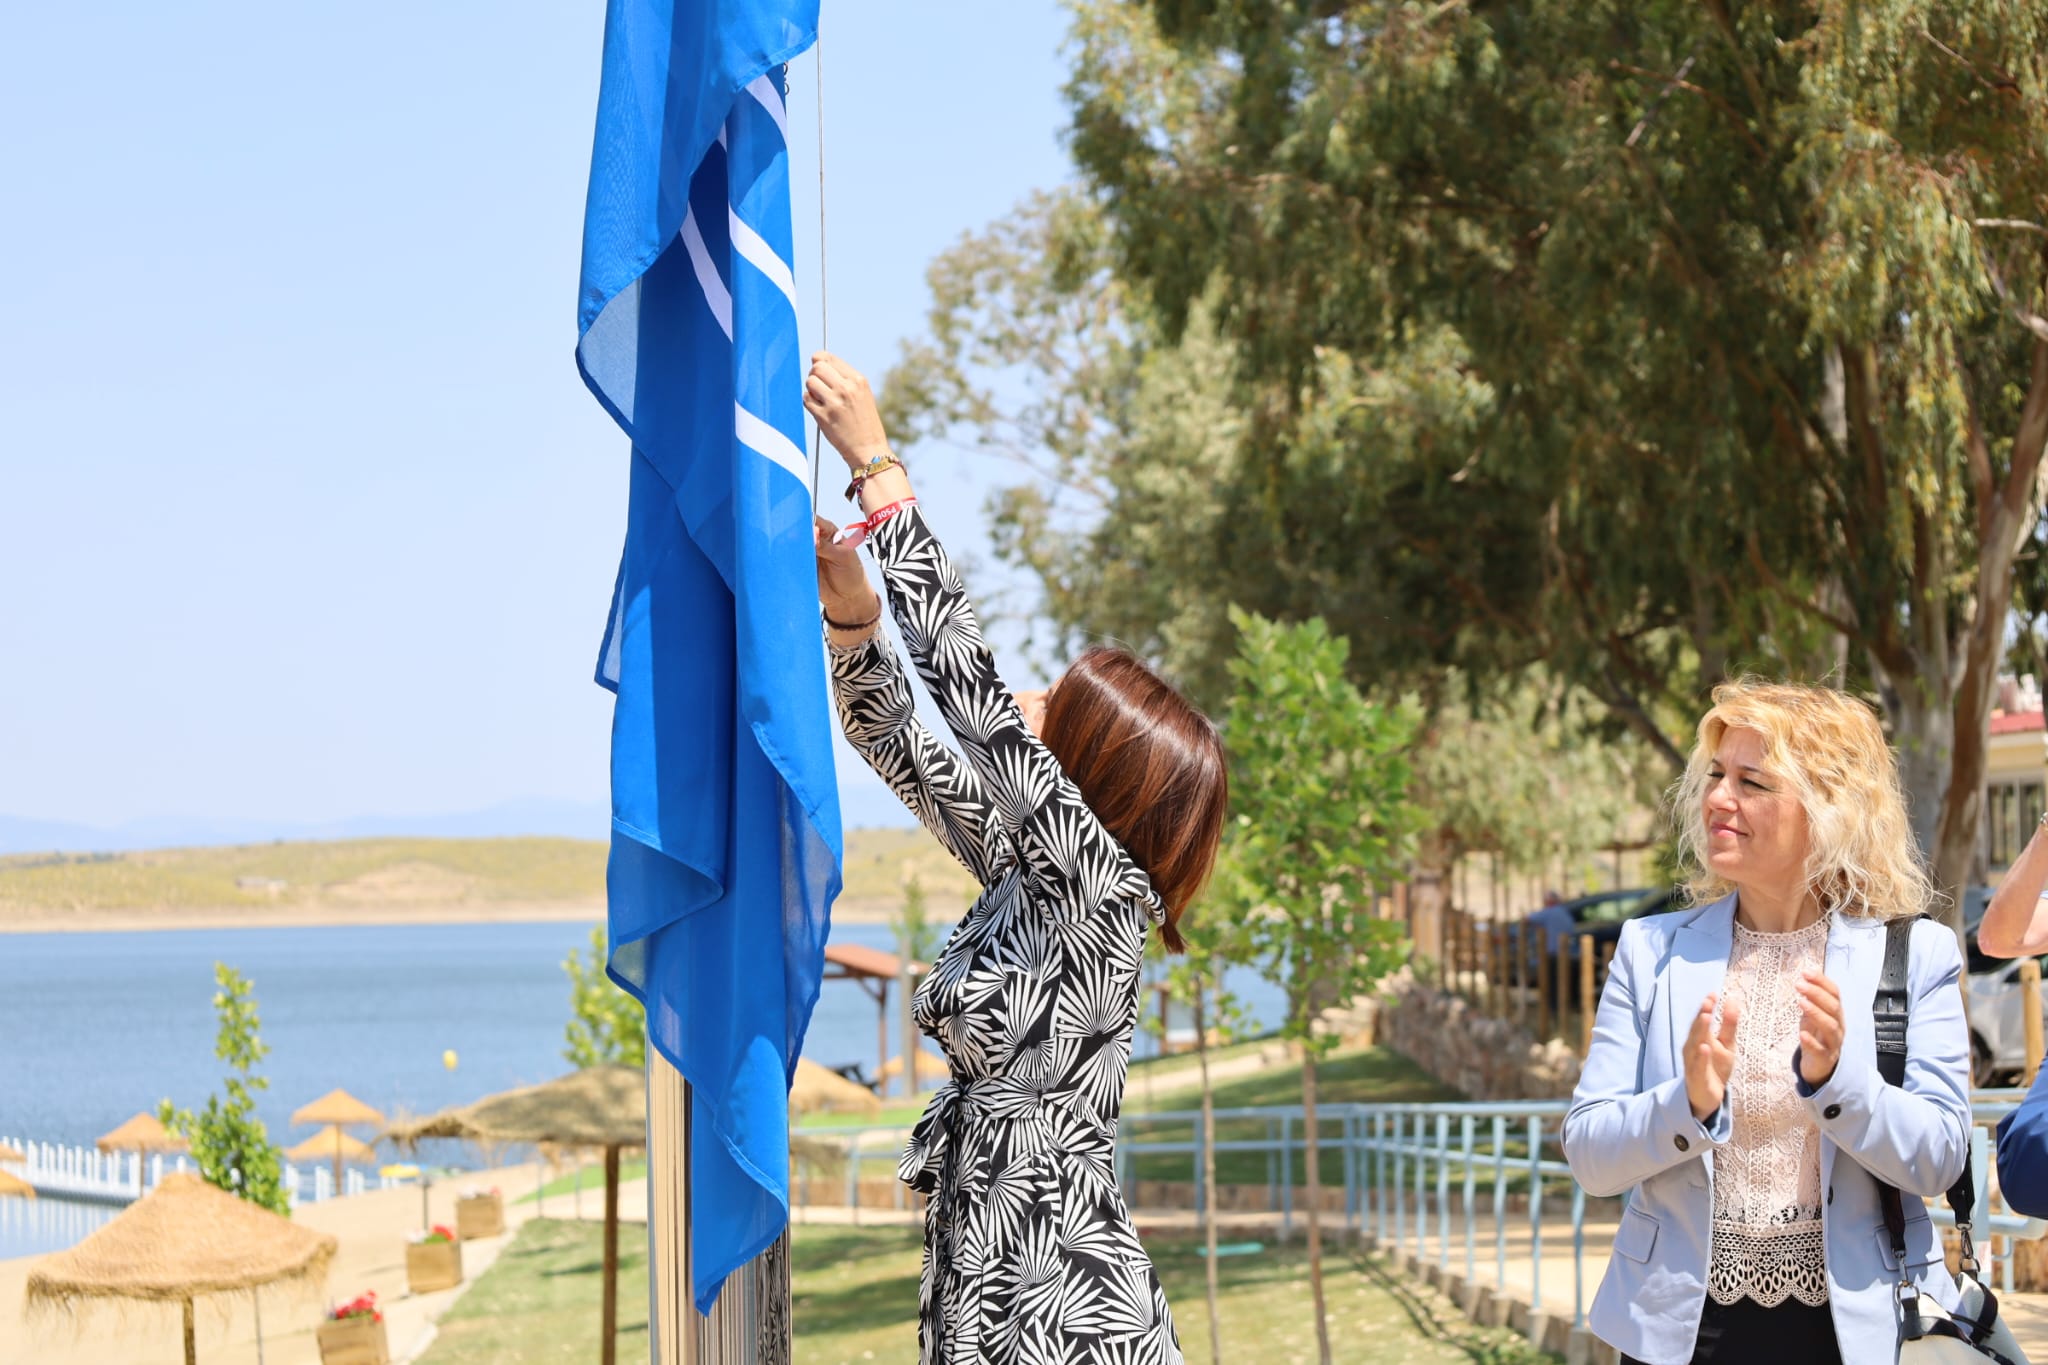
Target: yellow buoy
448 1059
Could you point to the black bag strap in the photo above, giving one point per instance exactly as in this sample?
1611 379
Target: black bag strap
1888 1015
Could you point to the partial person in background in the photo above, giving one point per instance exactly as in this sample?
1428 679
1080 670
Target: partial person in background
2016 925
1732 1091
1091 813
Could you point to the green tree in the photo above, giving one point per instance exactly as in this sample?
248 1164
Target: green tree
1321 822
1653 340
231 1145
917 938
606 1025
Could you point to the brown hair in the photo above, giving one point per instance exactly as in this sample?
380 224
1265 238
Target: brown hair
1149 765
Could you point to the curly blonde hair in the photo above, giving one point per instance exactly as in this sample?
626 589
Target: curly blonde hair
1829 751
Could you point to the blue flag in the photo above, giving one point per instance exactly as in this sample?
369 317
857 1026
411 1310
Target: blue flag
725 814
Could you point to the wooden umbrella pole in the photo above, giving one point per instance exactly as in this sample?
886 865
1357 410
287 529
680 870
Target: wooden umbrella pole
191 1337
611 1254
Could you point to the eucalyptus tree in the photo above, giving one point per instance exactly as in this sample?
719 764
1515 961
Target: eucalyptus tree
1653 340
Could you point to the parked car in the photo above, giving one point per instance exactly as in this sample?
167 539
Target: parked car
1567 919
1647 903
1998 1033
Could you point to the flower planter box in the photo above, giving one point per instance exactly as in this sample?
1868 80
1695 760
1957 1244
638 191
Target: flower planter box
479 1215
432 1265
353 1341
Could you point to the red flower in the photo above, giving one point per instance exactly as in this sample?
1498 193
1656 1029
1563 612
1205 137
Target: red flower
441 1233
364 1306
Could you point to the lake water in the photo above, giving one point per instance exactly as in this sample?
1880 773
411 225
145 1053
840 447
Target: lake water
94 1027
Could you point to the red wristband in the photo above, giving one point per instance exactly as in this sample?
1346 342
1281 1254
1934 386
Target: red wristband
855 532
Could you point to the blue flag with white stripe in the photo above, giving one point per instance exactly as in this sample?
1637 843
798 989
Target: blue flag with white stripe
725 814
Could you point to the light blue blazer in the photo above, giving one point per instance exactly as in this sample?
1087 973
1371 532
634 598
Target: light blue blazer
1630 1130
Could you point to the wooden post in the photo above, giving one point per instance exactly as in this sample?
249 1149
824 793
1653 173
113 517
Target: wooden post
191 1337
1563 978
2030 1014
1496 954
911 1046
882 1033
1586 1001
1446 961
609 1348
1518 971
1542 990
750 1322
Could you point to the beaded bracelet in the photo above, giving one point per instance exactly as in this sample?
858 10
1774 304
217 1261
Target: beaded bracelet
855 625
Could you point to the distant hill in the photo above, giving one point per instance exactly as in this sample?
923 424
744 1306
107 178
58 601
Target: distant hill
417 876
532 816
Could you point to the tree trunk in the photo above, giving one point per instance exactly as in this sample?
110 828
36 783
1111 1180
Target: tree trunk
1923 730
1428 889
1315 1199
1208 1171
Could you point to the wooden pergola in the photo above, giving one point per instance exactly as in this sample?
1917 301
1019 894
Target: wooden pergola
873 970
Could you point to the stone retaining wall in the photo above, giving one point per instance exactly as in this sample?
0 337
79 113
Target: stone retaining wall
1483 1057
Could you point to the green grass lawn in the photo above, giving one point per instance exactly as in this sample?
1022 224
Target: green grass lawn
541 1302
1370 1075
855 1300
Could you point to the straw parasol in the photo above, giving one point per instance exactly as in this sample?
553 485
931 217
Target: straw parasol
337 1109
601 1106
818 1091
930 1062
15 1185
142 1135
182 1240
330 1143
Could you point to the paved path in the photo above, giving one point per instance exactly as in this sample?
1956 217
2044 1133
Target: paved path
1539 1293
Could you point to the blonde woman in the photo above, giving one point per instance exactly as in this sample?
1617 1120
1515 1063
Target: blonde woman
1732 1091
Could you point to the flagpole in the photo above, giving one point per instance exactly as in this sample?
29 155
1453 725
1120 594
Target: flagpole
750 1322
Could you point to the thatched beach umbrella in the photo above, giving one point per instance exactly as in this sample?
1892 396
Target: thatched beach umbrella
602 1106
15 1185
337 1109
816 1090
181 1241
331 1143
930 1062
142 1135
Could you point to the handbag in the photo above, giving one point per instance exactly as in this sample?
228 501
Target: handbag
1929 1334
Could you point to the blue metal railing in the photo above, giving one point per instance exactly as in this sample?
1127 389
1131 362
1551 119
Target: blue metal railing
1399 1164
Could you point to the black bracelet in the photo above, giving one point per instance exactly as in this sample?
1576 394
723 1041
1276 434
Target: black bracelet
863 625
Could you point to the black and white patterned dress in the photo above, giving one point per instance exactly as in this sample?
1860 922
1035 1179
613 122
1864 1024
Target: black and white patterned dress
1029 1254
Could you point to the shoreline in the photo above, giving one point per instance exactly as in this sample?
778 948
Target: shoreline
43 920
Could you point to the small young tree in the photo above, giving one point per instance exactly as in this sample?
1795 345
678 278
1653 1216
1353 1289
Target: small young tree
917 938
1214 942
230 1143
1319 783
606 1025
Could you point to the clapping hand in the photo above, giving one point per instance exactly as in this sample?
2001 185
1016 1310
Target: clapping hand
1821 1027
1709 1058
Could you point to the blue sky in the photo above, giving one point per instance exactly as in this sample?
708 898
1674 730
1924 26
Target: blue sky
304 513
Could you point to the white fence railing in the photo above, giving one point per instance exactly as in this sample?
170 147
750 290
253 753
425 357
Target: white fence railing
89 1176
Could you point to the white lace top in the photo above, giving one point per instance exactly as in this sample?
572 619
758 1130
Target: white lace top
1767 1227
